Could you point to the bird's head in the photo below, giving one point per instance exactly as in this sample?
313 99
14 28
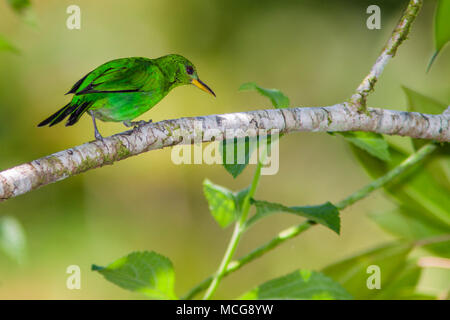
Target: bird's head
184 72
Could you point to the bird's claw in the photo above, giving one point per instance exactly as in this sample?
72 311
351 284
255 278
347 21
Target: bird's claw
98 137
136 123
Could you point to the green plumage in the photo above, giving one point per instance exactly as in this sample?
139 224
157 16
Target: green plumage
123 89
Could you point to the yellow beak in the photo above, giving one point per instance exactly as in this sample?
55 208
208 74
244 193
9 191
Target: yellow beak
201 85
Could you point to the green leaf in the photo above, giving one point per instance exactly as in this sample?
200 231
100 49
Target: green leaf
325 214
239 198
221 203
441 28
299 285
278 99
242 149
374 166
403 286
352 273
417 189
19 5
442 24
146 272
408 224
439 248
13 239
371 142
418 102
5 45
423 190
235 165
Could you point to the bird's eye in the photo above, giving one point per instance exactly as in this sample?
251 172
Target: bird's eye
189 70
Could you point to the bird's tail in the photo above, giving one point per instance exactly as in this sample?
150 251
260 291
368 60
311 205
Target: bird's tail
74 110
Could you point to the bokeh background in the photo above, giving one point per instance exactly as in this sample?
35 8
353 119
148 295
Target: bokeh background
316 52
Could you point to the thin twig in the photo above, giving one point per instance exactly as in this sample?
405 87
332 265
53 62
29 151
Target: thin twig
399 34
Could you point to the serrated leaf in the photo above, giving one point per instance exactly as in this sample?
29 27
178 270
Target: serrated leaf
371 142
5 45
325 214
441 28
352 273
13 239
299 285
146 272
221 203
417 102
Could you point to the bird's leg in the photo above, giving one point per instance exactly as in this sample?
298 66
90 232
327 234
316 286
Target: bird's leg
128 123
98 136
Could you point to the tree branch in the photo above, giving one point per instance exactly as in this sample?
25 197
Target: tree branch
95 154
390 49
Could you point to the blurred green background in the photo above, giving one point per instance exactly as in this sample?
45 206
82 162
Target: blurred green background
316 52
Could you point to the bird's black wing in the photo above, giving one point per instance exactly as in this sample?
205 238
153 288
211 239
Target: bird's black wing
122 75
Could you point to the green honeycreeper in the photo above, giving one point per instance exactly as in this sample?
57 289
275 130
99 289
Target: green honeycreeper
121 90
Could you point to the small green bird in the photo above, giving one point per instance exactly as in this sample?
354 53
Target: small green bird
123 89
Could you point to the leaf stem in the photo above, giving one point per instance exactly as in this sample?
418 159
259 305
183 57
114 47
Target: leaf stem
236 236
294 231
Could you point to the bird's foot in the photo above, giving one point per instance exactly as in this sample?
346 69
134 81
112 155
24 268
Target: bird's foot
136 123
98 136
